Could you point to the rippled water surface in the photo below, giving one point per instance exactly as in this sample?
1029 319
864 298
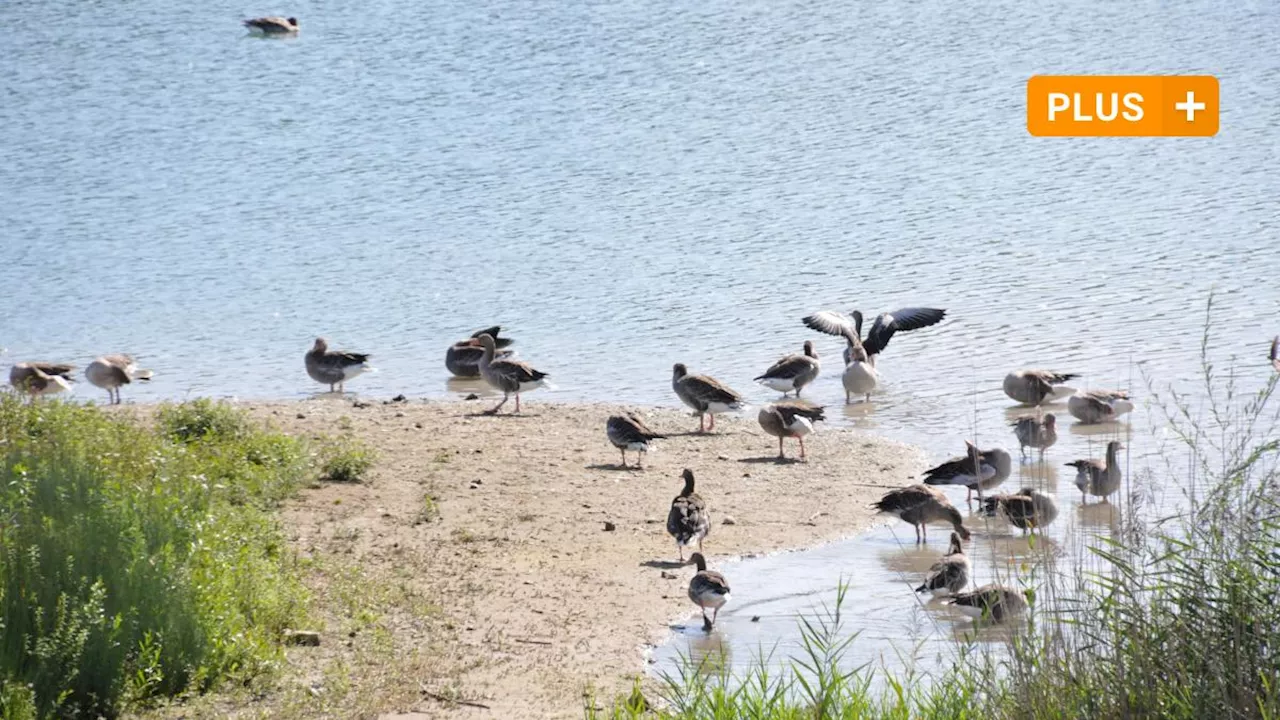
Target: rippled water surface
626 185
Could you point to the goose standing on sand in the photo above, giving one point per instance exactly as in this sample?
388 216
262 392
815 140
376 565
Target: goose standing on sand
628 432
950 574
978 470
462 359
790 418
921 504
1096 406
708 589
109 372
882 329
1035 432
688 521
41 378
792 372
273 25
1027 509
334 367
507 374
706 395
997 602
1098 477
1037 387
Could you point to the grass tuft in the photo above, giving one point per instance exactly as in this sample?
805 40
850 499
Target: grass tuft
346 460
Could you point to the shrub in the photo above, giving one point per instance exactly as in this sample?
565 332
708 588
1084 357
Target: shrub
345 459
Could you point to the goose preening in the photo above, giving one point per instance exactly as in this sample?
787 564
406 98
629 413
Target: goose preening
109 372
628 432
860 376
1027 509
462 359
1035 432
1098 477
334 367
706 395
708 589
978 470
919 505
1095 406
507 374
1275 353
790 418
273 25
950 574
792 372
997 602
41 378
882 329
688 521
1037 387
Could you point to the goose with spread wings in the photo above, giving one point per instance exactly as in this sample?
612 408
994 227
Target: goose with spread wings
882 328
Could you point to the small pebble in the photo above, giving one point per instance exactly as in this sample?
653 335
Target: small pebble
609 527
359 404
300 416
400 398
728 520
722 457
667 576
418 425
755 618
472 396
399 414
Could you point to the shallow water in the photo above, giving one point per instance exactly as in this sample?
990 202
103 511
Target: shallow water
626 185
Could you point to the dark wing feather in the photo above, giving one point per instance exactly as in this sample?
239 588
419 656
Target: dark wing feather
349 358
903 499
516 370
899 320
791 408
63 369
788 367
709 390
492 332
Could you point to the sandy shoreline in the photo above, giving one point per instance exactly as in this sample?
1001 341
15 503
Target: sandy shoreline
534 599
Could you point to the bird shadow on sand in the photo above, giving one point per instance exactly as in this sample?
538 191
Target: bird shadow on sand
692 433
664 564
615 467
486 413
774 459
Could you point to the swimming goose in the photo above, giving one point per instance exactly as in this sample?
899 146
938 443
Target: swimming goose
1036 432
790 418
1098 477
921 504
792 372
273 25
334 367
628 432
1275 353
1097 406
507 374
860 376
688 521
950 574
706 395
1037 387
462 359
40 378
885 325
109 372
708 589
1028 509
997 602
993 467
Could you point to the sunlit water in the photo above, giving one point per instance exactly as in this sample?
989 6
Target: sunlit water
626 185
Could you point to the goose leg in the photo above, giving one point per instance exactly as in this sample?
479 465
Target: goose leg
517 401
848 399
868 397
330 387
494 410
681 549
640 459
780 453
713 422
702 422
917 527
624 456
802 455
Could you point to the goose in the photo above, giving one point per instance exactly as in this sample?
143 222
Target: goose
1028 509
921 504
109 372
462 359
688 521
708 589
860 376
792 372
950 574
334 367
1097 406
1036 432
1098 477
1275 353
706 395
628 432
273 25
882 329
507 374
41 378
997 602
992 468
790 418
1037 387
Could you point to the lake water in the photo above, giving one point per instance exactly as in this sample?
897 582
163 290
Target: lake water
626 185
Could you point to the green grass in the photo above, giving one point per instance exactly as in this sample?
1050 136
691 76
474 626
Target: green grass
345 459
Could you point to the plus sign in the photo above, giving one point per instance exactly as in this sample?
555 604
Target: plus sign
1190 106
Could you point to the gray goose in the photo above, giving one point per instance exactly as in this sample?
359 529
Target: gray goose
921 504
273 25
1027 509
792 372
997 602
1035 432
882 329
708 589
628 432
41 378
1096 406
688 521
950 574
978 470
1098 477
109 372
507 374
1037 387
462 359
334 367
706 395
790 418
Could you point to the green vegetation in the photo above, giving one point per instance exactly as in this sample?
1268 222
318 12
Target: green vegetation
345 459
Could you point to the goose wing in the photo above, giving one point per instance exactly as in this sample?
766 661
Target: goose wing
788 367
709 581
628 429
688 517
516 370
63 370
709 390
899 320
950 570
905 499
831 323
493 333
790 409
